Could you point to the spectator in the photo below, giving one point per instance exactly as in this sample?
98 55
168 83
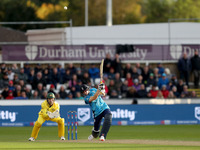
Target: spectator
10 85
73 81
47 76
4 81
22 75
116 64
111 87
184 67
106 79
5 92
107 64
21 83
193 94
35 95
55 77
151 81
44 95
150 68
38 68
124 89
142 93
62 92
15 69
40 89
111 74
168 74
134 73
140 79
50 69
159 95
67 76
174 90
38 79
10 74
18 91
161 69
79 74
16 79
136 84
10 95
186 92
195 62
61 70
83 68
31 76
78 95
26 69
78 85
51 90
163 81
156 74
72 69
139 69
69 96
127 69
174 80
154 91
145 74
93 72
114 94
180 86
28 92
22 96
129 79
131 92
171 95
118 83
3 68
85 78
164 91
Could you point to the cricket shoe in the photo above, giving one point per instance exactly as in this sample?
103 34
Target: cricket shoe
62 138
31 139
90 138
102 138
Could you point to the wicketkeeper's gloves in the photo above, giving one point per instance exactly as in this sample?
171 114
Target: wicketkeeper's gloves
54 114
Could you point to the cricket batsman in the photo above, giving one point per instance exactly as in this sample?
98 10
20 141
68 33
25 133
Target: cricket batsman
100 109
49 111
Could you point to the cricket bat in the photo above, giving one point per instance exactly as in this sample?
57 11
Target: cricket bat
101 71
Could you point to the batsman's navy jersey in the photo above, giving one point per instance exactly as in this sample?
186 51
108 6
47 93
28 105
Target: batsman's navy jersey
98 105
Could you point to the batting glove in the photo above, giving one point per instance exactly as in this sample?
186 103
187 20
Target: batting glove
101 87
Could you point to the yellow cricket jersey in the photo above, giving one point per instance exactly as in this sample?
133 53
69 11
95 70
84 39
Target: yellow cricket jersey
46 107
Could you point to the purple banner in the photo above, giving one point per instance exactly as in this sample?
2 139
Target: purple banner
93 52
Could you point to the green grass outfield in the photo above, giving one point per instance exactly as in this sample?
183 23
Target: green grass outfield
158 137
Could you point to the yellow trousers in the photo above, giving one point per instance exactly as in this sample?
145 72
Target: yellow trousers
41 120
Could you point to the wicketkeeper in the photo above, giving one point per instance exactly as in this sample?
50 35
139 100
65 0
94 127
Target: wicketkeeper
100 109
49 111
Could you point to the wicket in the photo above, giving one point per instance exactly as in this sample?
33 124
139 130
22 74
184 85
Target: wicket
72 121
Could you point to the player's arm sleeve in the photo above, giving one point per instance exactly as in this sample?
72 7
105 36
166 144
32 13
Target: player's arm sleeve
95 96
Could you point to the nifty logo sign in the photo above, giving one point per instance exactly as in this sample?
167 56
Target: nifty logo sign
197 112
123 114
83 114
6 115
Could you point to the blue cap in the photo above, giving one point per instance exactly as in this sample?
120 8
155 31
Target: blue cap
164 75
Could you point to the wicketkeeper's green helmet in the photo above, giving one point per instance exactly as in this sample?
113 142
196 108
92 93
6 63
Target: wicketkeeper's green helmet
50 95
